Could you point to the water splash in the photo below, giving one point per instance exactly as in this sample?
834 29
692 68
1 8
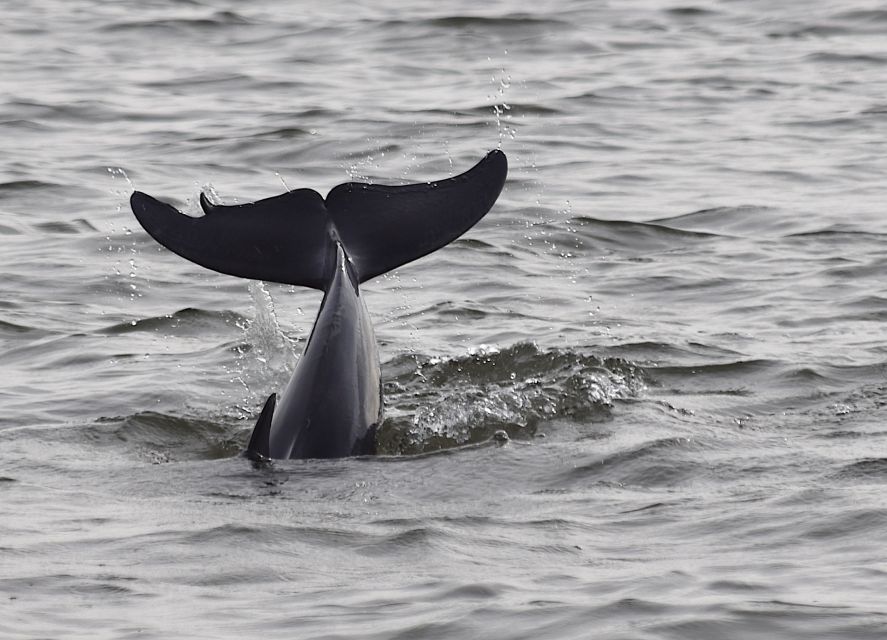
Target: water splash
126 244
271 346
501 109
444 402
266 353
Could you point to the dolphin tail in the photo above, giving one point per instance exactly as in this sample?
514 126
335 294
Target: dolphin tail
291 238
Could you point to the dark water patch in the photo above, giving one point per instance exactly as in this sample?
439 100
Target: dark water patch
843 124
184 322
73 111
840 231
63 584
631 609
648 353
283 133
812 31
737 586
419 538
26 185
847 58
619 235
450 311
473 244
231 534
13 330
46 347
631 179
873 469
72 227
841 434
476 591
610 96
160 438
666 462
648 507
18 189
508 21
690 11
216 21
434 403
865 16
734 371
875 110
849 523
864 271
21 124
101 589
327 537
531 109
223 80
807 374
741 220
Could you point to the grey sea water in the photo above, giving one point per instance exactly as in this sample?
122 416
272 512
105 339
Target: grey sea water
676 311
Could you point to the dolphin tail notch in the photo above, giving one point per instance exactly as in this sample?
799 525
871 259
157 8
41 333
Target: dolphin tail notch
291 238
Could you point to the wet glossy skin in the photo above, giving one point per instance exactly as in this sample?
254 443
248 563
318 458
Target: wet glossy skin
332 404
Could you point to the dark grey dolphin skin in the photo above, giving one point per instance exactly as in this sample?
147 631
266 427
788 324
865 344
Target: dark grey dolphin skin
333 402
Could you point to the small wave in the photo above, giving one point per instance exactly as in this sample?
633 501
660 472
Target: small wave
661 351
865 16
160 437
8 329
510 21
663 462
847 58
812 31
220 19
839 231
739 220
96 111
26 185
849 523
18 188
690 11
71 227
19 124
436 403
624 235
869 469
181 323
221 81
720 369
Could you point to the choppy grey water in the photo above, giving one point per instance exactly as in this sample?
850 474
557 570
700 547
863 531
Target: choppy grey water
676 310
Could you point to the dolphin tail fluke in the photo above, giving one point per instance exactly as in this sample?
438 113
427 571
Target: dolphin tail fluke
281 239
259 447
291 238
384 227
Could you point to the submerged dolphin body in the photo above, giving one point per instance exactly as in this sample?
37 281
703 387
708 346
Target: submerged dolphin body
333 402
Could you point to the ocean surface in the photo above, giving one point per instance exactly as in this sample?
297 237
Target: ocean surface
676 311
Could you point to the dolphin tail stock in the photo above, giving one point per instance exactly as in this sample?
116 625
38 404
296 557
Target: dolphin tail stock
291 238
